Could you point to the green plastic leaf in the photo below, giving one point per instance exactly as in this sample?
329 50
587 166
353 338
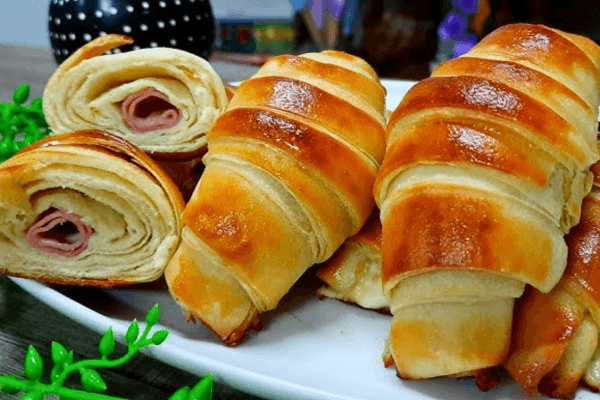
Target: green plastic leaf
160 336
92 381
153 315
203 389
106 346
36 103
132 332
59 353
33 365
181 394
21 94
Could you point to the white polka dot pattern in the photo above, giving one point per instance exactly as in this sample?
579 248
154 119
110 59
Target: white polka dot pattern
184 24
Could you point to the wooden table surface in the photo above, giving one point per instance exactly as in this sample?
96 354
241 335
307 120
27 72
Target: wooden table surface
24 320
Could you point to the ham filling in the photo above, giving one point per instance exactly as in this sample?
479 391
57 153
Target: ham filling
149 111
60 232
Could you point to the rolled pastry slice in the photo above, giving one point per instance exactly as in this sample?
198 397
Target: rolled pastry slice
162 100
482 163
87 208
288 178
353 273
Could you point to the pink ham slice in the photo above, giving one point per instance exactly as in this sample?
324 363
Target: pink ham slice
60 232
149 111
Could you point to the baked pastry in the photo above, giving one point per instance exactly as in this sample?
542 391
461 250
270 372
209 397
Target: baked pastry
486 166
353 273
555 340
288 177
86 208
162 100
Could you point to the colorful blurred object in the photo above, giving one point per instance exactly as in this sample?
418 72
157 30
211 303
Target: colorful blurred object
247 36
332 28
274 37
455 35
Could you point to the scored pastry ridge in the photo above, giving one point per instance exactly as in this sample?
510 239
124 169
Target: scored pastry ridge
508 146
287 180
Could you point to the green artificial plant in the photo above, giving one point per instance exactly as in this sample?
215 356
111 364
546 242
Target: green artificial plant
33 388
20 125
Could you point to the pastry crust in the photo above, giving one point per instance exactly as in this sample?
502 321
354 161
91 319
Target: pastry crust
129 203
353 273
88 89
555 335
162 100
288 178
486 167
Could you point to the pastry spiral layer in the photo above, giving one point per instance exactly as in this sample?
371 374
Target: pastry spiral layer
162 100
86 208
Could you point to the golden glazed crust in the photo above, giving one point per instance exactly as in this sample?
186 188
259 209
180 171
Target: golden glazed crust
486 166
288 178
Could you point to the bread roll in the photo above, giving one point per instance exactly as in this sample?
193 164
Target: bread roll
86 208
555 339
162 100
288 178
486 166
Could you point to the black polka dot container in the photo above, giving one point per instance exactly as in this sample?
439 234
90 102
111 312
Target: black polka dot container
183 24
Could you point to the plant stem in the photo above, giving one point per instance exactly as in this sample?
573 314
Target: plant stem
66 393
105 363
13 382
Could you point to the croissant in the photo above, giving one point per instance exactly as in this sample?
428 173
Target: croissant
555 339
288 177
162 100
486 166
353 273
86 208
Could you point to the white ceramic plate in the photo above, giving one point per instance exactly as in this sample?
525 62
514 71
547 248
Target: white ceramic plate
308 350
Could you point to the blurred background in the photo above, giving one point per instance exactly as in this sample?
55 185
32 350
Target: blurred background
401 38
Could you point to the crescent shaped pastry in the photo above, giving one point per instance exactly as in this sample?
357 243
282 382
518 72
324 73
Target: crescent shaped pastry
486 167
87 208
289 176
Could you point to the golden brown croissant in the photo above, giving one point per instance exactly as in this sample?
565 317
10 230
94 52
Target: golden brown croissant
288 178
86 208
162 100
555 335
486 166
